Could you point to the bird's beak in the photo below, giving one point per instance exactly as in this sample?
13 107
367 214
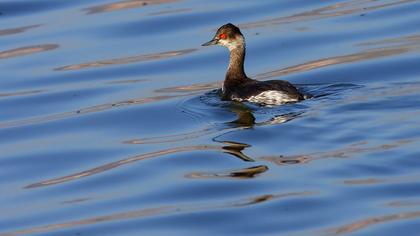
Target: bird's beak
211 42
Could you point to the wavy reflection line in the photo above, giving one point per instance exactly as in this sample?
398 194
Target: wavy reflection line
173 138
126 161
21 93
405 203
312 65
23 51
127 81
166 12
404 40
95 220
127 60
75 201
87 110
190 88
394 90
116 6
161 211
352 149
18 30
232 148
363 181
181 137
334 10
369 181
370 222
245 173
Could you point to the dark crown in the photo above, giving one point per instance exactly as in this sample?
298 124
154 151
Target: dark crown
230 29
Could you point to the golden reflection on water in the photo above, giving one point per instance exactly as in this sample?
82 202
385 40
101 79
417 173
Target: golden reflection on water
87 110
126 60
405 203
370 181
162 211
77 200
312 65
128 4
333 10
231 148
395 90
191 88
22 93
378 49
4 32
119 163
370 222
172 138
244 173
363 181
346 152
180 10
410 40
128 81
23 51
91 221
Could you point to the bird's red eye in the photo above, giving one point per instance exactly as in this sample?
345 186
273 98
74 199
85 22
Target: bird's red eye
223 36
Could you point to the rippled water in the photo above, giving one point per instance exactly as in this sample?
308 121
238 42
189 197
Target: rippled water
111 121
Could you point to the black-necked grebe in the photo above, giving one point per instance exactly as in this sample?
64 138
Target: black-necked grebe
237 86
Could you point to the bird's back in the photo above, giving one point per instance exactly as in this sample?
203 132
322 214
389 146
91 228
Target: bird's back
271 92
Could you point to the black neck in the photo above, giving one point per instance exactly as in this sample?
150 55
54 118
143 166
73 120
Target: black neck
236 64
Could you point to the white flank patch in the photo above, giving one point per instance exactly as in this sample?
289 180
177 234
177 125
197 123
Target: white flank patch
271 97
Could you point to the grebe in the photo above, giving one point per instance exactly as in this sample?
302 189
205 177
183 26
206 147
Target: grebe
237 86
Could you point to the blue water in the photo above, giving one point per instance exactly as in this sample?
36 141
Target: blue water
111 121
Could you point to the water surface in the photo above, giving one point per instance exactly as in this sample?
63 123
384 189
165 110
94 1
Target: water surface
111 121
